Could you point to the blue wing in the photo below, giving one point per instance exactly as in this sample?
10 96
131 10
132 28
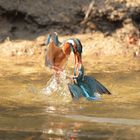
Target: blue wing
54 38
95 86
87 88
79 46
75 91
48 40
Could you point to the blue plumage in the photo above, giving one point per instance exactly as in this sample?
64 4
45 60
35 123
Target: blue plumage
75 91
48 40
54 38
87 88
78 46
83 85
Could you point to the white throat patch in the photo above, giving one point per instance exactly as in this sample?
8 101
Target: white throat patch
71 41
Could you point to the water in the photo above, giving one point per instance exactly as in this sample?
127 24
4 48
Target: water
27 114
57 85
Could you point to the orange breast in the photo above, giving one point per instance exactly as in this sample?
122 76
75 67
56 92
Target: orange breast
55 56
66 48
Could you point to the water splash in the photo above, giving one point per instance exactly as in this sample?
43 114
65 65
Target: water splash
57 85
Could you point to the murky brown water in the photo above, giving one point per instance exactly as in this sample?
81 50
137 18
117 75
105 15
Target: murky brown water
25 114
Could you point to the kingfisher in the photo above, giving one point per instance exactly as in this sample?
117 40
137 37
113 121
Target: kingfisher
55 57
57 53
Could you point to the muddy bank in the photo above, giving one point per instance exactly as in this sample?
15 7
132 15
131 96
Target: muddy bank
95 44
105 28
38 17
28 19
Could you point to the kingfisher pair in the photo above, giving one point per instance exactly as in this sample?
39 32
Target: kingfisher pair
57 54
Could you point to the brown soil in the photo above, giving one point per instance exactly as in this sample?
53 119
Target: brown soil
109 30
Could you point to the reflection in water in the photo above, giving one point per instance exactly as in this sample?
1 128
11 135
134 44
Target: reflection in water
26 114
105 120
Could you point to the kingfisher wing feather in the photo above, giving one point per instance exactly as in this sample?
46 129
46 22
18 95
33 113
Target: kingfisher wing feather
48 39
79 46
54 38
75 91
81 90
53 51
101 88
87 92
95 85
88 88
89 84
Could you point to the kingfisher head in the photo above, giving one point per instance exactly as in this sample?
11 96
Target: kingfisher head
72 45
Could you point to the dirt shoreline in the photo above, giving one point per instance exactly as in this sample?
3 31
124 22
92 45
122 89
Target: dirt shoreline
95 44
109 30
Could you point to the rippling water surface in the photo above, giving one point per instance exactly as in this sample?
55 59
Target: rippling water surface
26 114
